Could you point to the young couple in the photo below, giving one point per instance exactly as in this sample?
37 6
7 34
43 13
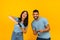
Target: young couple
40 26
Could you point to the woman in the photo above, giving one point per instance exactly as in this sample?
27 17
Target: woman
20 25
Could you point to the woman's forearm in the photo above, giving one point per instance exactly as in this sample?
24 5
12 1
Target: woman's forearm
13 19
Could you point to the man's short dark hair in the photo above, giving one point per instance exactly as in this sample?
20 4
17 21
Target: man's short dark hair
35 11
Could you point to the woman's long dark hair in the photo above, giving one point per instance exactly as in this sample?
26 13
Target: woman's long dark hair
25 20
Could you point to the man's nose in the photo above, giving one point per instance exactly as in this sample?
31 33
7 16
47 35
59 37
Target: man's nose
35 15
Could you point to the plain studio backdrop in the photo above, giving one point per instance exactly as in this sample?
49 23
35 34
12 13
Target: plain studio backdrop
49 9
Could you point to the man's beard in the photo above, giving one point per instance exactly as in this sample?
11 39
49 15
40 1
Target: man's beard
35 18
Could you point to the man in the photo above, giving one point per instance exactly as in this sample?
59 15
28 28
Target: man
40 26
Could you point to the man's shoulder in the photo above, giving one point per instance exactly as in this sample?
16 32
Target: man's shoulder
33 22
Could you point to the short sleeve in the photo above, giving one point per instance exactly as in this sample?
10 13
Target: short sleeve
33 27
45 22
16 18
22 25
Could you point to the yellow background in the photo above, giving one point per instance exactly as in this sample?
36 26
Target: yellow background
49 9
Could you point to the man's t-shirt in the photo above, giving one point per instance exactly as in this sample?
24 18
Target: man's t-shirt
40 25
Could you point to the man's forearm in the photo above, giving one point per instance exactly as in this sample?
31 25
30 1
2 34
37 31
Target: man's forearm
46 30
